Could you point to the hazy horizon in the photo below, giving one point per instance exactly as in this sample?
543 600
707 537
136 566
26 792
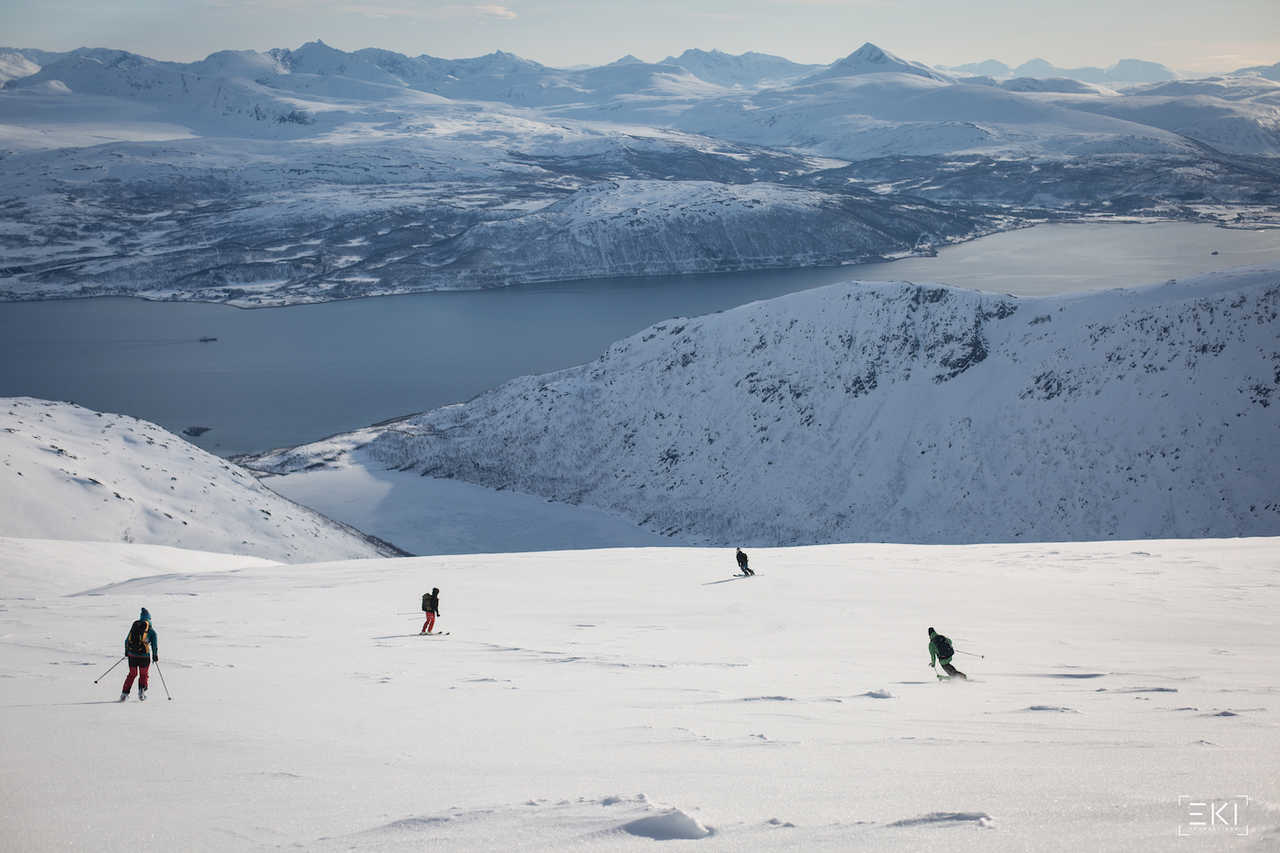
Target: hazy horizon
1187 37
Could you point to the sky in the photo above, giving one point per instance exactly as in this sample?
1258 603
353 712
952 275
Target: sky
1187 35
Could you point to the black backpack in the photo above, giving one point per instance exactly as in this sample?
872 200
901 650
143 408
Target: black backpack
426 602
136 644
943 645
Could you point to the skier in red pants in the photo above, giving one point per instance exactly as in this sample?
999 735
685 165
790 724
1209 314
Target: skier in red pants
431 607
141 647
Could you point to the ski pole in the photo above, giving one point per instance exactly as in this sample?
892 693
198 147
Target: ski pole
113 666
162 684
971 654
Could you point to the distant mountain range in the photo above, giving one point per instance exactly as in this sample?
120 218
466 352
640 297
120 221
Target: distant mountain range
1125 71
311 174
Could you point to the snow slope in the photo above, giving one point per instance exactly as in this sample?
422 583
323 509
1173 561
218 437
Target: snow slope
599 700
893 412
70 473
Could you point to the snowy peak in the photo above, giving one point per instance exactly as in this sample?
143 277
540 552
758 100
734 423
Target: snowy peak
871 59
1139 71
318 58
747 69
986 68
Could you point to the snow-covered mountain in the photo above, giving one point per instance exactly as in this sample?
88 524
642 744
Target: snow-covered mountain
473 200
987 68
14 65
1270 72
748 69
899 412
871 59
898 113
70 473
1052 84
640 227
1128 71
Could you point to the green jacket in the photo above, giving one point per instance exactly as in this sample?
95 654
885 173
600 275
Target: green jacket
934 656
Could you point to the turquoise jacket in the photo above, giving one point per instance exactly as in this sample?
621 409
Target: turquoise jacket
152 641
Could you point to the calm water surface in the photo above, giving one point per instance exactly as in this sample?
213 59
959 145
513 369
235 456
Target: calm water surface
281 376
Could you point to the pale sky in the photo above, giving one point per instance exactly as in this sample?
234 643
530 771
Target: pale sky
1187 35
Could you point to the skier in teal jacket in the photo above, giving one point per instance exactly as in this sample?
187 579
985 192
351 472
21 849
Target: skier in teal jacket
941 651
142 648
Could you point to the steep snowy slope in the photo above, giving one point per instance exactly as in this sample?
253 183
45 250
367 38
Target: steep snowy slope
14 65
71 473
897 412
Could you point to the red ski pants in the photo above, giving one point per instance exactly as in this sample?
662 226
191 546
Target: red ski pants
137 667
430 623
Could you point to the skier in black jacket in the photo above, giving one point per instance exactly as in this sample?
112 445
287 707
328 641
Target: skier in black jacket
941 651
742 563
431 607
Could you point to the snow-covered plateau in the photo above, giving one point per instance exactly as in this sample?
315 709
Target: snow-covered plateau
315 174
888 412
602 700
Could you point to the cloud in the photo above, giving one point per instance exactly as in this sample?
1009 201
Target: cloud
496 12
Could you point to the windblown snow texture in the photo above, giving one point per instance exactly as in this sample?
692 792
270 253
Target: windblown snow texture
898 412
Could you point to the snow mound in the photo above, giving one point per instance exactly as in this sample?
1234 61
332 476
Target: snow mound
669 826
877 694
947 819
51 566
71 473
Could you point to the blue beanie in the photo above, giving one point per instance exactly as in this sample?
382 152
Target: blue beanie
145 615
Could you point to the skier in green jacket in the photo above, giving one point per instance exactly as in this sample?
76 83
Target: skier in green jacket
941 651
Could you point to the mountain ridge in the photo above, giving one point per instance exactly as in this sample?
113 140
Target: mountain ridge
892 412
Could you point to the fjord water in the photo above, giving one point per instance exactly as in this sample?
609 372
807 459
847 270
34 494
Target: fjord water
283 376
